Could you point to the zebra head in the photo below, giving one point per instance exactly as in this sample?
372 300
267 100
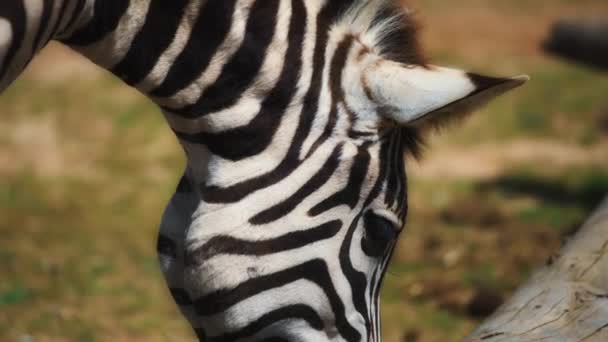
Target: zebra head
295 116
301 203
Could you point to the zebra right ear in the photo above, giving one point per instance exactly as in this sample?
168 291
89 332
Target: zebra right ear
419 95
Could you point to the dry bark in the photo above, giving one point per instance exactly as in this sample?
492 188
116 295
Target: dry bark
566 300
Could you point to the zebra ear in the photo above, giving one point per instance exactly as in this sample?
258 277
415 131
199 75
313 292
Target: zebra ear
417 95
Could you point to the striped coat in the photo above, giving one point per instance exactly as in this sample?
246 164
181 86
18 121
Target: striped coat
295 116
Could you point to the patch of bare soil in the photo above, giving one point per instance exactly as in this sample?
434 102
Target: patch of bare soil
489 160
474 31
34 144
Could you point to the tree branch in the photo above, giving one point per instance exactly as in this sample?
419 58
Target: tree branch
566 300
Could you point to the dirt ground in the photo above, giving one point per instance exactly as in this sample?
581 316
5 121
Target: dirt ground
492 199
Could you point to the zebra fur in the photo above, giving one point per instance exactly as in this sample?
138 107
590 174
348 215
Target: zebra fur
294 119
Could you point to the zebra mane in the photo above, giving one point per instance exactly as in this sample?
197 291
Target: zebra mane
388 27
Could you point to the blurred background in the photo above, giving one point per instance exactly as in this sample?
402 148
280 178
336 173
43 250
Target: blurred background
87 165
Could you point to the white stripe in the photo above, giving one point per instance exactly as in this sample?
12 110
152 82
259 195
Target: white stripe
325 98
227 218
229 46
33 12
266 79
86 13
53 18
168 57
114 46
234 218
297 292
238 115
245 110
233 172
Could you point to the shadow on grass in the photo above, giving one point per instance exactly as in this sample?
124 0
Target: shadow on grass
585 190
562 202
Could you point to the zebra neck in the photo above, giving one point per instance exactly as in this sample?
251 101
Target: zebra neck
26 26
210 65
105 29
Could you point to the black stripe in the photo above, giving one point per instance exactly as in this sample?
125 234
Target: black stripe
351 193
313 184
155 36
166 246
255 137
200 334
224 244
374 293
357 279
315 271
356 135
378 271
299 312
239 73
209 31
396 181
335 86
76 13
234 193
47 10
14 11
396 167
383 165
184 186
180 296
400 169
392 179
60 16
376 282
107 15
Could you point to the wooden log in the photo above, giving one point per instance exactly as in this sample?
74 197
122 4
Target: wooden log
566 300
583 41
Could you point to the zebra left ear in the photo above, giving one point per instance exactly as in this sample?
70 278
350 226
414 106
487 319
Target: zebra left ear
415 96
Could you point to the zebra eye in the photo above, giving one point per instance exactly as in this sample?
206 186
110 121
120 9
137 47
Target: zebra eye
379 233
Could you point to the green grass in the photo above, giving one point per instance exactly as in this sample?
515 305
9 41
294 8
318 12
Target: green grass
483 276
70 253
557 217
78 246
441 320
14 295
557 93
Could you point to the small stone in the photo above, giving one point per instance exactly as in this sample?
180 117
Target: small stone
416 290
451 258
26 338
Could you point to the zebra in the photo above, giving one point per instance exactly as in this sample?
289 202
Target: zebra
295 116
